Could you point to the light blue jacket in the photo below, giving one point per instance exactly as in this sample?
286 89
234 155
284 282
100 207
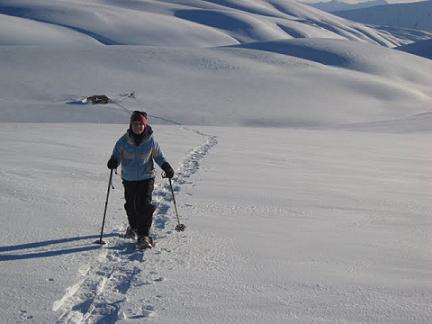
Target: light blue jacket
137 161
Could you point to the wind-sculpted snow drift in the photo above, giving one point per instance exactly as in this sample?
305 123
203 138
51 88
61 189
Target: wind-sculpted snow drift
414 16
276 83
321 54
180 23
421 48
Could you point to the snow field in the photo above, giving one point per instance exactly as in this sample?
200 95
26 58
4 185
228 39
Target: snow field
325 227
303 181
282 224
349 83
47 221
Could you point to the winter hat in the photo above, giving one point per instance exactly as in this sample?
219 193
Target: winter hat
140 116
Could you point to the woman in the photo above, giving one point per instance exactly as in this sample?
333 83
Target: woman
135 151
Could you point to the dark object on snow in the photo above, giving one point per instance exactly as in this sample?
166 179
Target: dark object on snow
99 99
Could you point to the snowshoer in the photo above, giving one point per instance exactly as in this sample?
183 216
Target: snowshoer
135 151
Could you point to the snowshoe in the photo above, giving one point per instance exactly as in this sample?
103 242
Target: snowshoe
130 233
144 242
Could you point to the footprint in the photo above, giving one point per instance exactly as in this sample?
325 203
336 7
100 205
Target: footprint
24 315
148 310
142 283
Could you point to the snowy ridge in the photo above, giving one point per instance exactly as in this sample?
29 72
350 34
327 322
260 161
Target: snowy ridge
102 293
399 15
336 5
176 23
421 48
173 83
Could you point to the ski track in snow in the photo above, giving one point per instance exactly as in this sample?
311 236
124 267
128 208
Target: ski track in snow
101 296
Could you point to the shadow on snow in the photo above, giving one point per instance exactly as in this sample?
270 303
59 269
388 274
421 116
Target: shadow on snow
49 253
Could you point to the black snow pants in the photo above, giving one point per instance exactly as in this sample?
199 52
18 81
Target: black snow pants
138 206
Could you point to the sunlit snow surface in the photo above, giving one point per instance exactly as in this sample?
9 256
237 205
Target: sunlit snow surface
283 224
303 166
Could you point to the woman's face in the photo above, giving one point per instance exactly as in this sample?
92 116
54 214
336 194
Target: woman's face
137 127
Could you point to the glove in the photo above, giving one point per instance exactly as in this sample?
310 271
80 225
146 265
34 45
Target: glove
169 172
112 163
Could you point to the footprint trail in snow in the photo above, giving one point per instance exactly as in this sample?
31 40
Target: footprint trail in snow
101 295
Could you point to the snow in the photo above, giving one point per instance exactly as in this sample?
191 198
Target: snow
421 48
235 85
402 15
302 165
189 23
336 5
317 226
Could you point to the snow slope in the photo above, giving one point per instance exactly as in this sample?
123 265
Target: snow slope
188 23
338 230
401 15
421 48
302 165
336 5
21 31
225 86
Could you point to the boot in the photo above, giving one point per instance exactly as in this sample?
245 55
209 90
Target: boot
131 233
144 242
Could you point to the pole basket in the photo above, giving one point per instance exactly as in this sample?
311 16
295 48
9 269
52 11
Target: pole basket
180 227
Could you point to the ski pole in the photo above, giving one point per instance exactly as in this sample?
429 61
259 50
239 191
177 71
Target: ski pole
180 227
100 241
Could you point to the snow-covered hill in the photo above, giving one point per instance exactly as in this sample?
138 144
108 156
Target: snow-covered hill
336 5
301 148
41 83
176 23
422 48
402 15
314 82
